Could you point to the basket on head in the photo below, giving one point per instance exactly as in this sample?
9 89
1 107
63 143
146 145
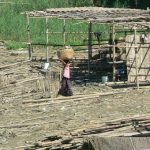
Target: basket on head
66 53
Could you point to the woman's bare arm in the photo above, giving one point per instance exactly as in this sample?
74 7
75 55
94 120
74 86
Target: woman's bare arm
62 62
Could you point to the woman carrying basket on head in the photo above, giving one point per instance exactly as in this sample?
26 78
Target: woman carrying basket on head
65 88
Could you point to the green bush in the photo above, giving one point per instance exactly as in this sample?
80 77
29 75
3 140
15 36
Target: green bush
13 45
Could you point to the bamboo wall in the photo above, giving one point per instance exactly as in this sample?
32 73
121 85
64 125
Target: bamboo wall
118 143
143 58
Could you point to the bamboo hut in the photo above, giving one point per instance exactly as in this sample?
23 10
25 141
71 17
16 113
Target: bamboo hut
137 55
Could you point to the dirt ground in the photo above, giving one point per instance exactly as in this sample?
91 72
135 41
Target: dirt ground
25 123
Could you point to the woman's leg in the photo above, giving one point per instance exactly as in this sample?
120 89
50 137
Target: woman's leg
63 87
69 90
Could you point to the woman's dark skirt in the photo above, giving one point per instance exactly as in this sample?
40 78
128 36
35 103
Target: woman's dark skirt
65 88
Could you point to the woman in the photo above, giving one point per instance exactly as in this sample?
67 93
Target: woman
65 88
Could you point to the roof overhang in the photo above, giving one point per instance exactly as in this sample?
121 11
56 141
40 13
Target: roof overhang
98 15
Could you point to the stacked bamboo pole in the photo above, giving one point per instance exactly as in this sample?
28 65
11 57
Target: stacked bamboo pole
75 139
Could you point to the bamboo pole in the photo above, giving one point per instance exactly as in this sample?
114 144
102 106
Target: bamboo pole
15 3
113 41
28 35
11 65
51 101
89 45
47 58
29 80
46 34
64 32
109 46
136 59
24 125
68 32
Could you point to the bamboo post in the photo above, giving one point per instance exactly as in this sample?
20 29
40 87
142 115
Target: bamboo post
28 35
89 45
136 58
0 80
64 32
43 86
113 42
46 34
49 84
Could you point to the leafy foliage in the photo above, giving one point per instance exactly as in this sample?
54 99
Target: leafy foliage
143 4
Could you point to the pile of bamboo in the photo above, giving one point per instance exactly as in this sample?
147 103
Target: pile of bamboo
22 80
132 126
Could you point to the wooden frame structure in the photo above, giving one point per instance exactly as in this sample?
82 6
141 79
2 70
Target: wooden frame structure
132 19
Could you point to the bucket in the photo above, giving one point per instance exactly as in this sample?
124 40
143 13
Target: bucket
104 79
46 65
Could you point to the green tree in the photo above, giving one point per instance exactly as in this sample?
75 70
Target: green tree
143 4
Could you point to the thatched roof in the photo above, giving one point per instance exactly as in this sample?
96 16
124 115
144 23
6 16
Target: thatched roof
96 14
128 17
